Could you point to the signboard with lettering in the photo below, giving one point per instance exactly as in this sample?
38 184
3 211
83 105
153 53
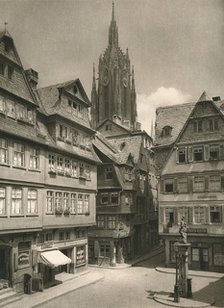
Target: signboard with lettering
197 230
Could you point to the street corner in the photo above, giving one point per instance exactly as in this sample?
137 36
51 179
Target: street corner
168 300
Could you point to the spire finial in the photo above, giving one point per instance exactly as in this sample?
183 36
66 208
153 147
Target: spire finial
113 10
5 23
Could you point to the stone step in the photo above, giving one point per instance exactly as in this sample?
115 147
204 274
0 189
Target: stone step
8 296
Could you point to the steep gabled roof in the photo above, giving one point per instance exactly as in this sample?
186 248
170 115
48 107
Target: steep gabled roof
21 87
51 104
174 116
126 146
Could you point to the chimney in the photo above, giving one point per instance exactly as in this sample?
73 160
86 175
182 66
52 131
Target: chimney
32 77
216 98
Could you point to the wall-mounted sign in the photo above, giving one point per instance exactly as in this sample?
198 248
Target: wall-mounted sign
24 258
197 230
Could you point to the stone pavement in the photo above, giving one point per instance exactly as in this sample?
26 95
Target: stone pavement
202 301
70 283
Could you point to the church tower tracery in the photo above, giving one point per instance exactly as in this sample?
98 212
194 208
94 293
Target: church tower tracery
116 96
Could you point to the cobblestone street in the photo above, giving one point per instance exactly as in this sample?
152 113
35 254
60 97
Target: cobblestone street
135 287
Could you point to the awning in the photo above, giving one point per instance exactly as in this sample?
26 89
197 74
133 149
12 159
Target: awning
53 258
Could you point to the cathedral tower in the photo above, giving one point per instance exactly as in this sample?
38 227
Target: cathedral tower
115 97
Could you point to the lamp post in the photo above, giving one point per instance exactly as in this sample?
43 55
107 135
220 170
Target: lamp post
176 287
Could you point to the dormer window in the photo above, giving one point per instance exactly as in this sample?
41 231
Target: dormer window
166 131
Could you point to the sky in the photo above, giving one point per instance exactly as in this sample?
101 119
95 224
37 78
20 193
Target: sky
176 47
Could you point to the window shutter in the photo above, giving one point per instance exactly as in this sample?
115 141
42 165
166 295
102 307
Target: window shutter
221 152
191 215
161 215
206 152
190 184
175 188
177 155
176 216
186 155
206 183
190 154
161 186
222 182
207 214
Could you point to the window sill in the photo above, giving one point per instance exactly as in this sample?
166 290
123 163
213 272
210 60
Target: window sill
34 170
4 164
3 216
17 215
49 213
73 213
19 167
32 215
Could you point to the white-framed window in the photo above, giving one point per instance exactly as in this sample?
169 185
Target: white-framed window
86 203
21 113
3 150
199 214
67 166
16 201
50 202
34 158
2 200
32 201
214 183
215 214
19 154
88 172
80 204
81 170
66 200
74 169
111 222
100 221
51 162
199 184
58 200
11 110
60 166
73 203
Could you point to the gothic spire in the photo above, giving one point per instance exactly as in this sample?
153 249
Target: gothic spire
133 78
94 77
113 30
